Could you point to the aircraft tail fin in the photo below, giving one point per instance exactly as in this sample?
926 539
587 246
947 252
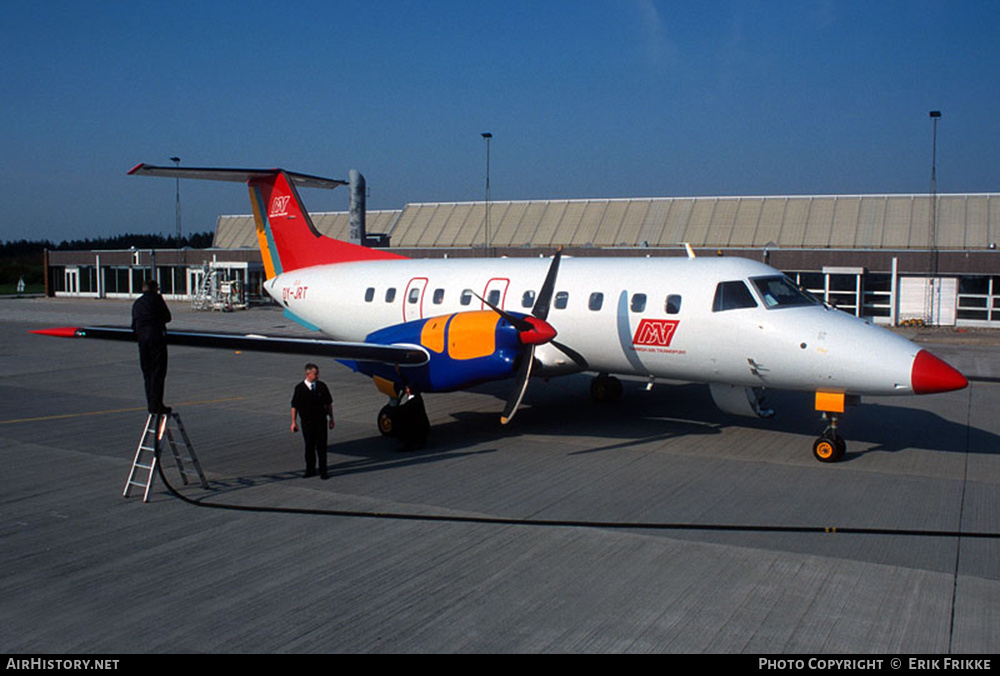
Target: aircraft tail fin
286 235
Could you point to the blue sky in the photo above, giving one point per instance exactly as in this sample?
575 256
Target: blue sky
612 98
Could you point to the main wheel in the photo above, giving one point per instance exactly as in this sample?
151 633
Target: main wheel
385 423
829 449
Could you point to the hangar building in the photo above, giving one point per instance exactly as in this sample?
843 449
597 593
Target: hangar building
890 257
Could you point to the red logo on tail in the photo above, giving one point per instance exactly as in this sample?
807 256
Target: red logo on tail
279 205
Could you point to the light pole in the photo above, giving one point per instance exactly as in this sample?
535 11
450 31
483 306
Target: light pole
935 116
487 135
177 163
932 292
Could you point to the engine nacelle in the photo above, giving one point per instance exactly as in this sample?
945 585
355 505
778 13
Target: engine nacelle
466 349
744 401
550 361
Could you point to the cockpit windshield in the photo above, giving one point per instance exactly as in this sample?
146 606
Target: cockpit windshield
779 291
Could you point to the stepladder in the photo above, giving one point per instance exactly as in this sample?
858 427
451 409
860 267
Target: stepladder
163 433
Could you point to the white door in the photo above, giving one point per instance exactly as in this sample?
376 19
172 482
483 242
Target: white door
72 278
195 278
413 301
496 292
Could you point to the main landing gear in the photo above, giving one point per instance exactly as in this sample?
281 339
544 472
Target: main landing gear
406 419
605 388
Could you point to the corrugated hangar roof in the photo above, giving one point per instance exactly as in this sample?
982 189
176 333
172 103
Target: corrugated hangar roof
964 221
238 232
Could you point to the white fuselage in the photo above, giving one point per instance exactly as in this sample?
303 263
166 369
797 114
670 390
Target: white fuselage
671 333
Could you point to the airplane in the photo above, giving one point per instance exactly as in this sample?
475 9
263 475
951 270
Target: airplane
439 325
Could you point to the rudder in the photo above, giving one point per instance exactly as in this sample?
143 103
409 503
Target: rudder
287 237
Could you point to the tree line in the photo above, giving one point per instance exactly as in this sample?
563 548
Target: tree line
24 258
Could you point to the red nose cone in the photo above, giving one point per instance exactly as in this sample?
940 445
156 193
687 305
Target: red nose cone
541 332
930 375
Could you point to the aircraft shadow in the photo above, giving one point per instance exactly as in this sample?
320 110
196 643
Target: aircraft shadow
669 411
565 410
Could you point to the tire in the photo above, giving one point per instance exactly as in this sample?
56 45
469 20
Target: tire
385 422
827 449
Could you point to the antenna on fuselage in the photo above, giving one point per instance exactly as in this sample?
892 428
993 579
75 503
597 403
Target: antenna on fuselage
690 251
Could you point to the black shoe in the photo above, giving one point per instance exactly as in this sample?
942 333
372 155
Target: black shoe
324 477
309 473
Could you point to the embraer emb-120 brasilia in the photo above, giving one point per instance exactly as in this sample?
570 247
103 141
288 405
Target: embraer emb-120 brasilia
440 325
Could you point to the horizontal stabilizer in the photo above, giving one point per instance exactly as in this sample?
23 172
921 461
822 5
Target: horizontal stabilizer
410 355
234 175
287 237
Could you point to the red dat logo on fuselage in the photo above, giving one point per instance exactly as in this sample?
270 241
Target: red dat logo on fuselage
655 332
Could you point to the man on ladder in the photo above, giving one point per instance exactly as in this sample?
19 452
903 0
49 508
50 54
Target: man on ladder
150 316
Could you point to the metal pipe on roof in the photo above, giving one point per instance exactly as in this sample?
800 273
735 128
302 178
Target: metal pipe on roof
357 217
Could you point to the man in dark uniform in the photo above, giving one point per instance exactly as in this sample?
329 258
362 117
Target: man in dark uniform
150 315
312 403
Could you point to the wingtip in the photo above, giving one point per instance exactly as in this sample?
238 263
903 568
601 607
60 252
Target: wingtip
60 332
136 168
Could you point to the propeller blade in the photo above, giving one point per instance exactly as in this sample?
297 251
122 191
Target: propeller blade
516 322
520 385
544 299
577 358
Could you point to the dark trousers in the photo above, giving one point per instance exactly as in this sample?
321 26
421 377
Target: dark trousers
153 361
314 436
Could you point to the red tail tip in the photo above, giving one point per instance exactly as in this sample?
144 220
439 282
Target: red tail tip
930 375
62 332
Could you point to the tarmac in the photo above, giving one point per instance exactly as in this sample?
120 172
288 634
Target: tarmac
655 524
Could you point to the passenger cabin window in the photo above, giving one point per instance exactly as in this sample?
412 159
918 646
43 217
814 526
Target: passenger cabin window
414 295
732 296
390 295
438 296
596 301
638 302
369 294
673 304
494 297
466 297
781 292
528 299
562 300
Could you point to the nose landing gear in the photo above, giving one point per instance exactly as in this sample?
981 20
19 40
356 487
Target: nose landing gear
830 446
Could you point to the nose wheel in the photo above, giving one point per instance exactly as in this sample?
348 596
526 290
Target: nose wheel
830 446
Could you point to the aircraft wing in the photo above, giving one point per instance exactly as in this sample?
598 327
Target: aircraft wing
410 355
